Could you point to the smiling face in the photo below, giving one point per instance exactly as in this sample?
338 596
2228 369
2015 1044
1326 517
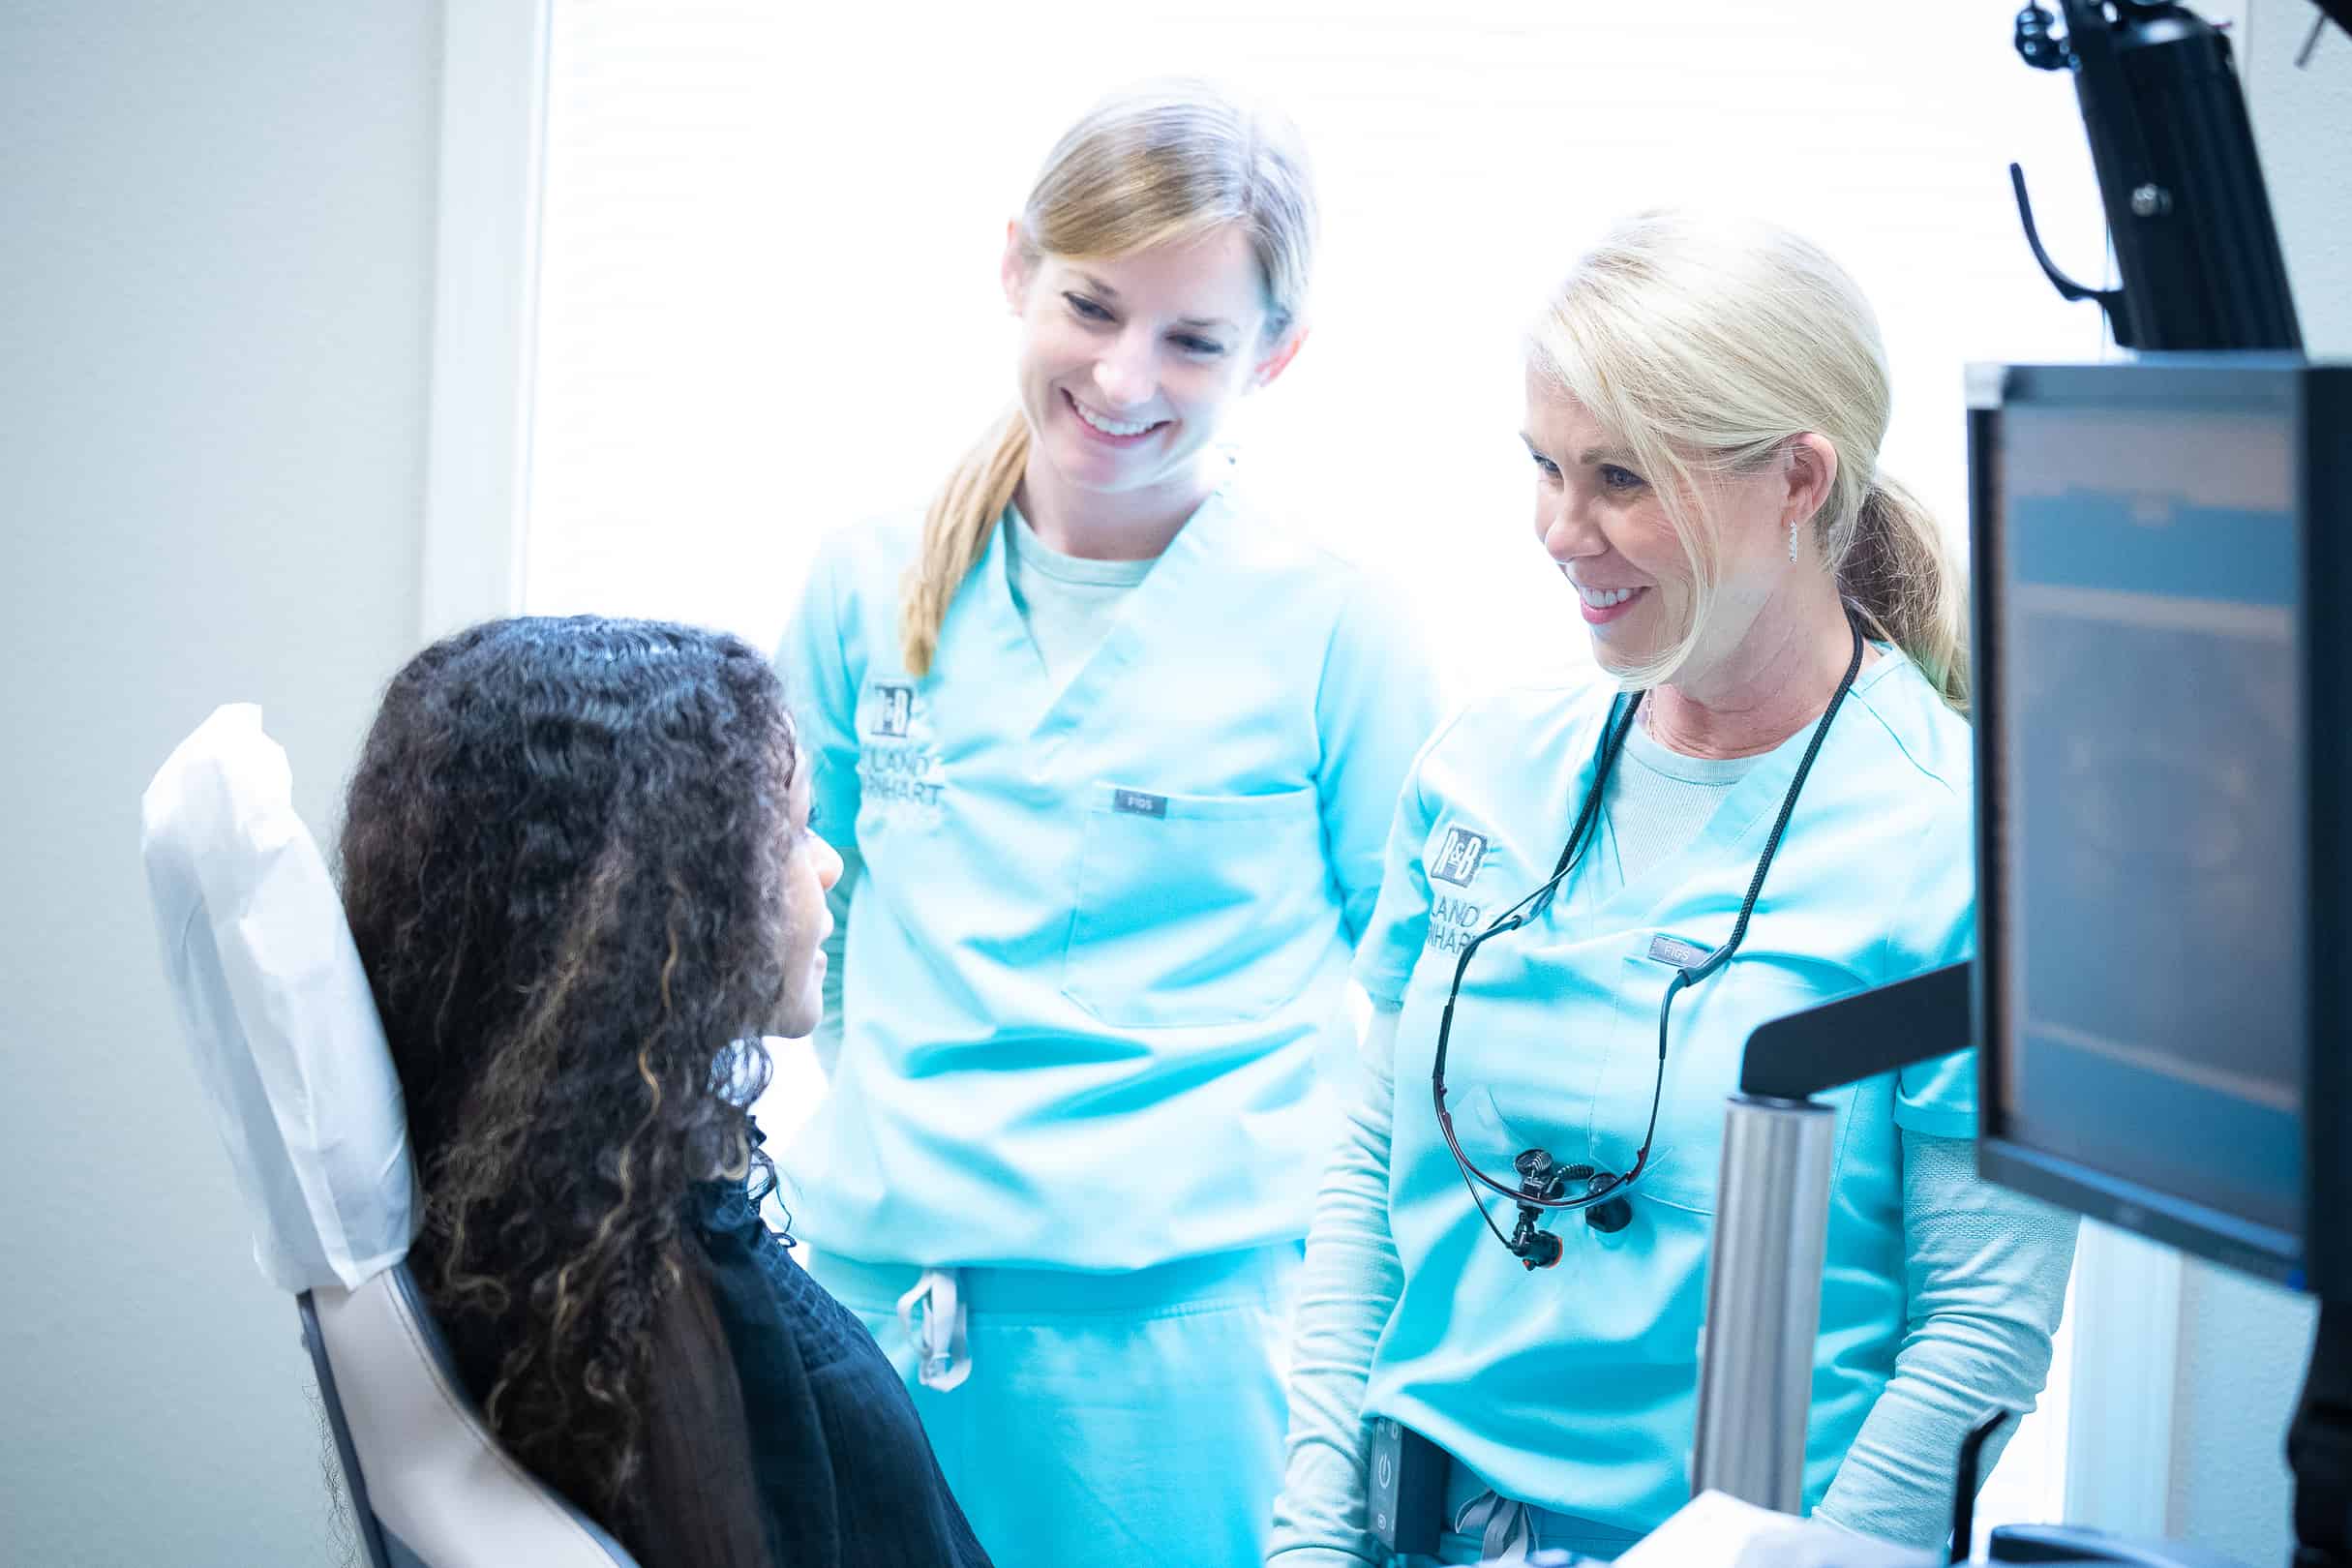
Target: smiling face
1603 521
811 867
1129 366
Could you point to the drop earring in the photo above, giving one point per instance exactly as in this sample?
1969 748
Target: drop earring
1791 538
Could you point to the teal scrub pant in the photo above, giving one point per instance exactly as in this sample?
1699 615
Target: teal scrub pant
1108 1420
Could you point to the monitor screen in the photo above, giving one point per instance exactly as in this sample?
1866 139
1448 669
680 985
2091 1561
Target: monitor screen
2144 788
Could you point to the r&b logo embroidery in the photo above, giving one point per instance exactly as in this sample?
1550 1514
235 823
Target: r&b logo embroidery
893 707
1459 858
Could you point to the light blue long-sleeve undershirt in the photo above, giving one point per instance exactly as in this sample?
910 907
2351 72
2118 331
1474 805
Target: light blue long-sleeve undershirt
1986 1281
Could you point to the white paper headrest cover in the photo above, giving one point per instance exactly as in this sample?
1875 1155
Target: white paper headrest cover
276 1007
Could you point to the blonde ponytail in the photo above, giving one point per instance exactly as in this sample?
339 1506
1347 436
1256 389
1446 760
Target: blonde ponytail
1159 163
955 535
1896 574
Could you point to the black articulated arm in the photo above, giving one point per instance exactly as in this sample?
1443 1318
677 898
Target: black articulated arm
2188 216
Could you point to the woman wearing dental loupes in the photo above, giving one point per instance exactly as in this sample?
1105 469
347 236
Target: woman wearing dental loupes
1111 759
1763 804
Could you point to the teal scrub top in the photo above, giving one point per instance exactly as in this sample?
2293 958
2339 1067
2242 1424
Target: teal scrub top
1574 1387
1101 943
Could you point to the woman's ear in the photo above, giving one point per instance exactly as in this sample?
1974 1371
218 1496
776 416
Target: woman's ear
1810 473
1285 350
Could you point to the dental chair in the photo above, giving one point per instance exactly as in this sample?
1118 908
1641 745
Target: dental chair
292 1057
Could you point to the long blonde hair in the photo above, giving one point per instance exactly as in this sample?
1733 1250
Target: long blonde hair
1706 343
1156 165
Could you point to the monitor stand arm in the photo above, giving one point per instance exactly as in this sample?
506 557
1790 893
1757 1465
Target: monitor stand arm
2319 1446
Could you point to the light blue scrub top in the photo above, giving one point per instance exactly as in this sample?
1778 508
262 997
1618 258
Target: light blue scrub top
1104 934
1574 1387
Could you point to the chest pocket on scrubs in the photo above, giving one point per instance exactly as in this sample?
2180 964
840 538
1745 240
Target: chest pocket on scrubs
1705 1040
1196 908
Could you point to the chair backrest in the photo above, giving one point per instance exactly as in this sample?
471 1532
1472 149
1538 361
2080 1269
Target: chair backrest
430 1485
293 1061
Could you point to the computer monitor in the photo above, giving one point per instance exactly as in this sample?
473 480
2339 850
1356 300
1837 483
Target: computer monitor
2163 710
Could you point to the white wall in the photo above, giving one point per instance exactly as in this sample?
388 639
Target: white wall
2243 1345
2303 123
2243 1348
214 314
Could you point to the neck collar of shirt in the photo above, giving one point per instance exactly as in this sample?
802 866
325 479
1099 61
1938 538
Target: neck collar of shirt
1654 754
1659 757
1039 556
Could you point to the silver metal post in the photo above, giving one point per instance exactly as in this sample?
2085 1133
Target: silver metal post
1764 1302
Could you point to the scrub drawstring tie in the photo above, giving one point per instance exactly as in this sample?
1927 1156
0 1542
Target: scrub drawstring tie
1505 1532
946 1355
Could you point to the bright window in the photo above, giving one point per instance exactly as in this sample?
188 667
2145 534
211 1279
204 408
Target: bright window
767 304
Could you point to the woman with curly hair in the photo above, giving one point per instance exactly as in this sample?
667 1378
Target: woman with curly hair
577 862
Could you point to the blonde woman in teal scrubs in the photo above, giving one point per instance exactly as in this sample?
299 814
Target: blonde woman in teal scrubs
1779 632
1111 755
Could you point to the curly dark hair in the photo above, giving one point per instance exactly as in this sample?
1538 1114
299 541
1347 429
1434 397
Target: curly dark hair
563 858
